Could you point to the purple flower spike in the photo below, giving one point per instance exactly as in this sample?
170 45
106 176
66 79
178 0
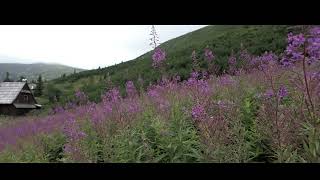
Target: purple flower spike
198 112
283 92
158 57
208 54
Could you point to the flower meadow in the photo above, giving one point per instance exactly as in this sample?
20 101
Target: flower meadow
265 108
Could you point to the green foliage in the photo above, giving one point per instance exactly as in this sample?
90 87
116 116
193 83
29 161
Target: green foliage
53 93
93 145
53 146
153 139
249 109
183 141
311 143
287 155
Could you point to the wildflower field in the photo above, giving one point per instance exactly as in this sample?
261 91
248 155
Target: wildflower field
263 108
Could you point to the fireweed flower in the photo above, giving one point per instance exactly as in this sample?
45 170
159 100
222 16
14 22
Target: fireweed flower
194 75
296 44
72 130
266 60
109 99
58 110
198 112
152 92
313 48
132 106
208 54
91 107
114 95
156 95
97 116
158 57
74 135
130 89
11 134
293 52
81 97
203 86
282 92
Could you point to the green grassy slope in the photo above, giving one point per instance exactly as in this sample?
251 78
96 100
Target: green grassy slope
220 38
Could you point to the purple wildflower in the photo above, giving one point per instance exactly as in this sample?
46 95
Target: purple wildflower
194 75
198 112
208 54
283 92
296 44
74 135
82 98
58 110
156 95
130 89
114 95
158 57
133 106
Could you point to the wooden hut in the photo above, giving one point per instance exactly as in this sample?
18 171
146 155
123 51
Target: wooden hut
16 98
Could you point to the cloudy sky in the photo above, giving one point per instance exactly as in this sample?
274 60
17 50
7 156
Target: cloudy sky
81 46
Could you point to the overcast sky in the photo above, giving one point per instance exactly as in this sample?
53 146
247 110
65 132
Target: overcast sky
85 47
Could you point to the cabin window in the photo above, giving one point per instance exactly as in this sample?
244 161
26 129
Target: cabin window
25 98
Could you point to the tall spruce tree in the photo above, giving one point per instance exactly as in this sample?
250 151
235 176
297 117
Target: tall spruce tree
39 88
7 79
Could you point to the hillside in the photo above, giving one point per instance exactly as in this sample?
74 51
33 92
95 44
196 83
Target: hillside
264 109
220 38
32 71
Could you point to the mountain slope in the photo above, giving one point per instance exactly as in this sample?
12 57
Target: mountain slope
32 71
222 39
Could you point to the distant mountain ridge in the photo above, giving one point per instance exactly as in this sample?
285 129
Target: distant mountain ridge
31 71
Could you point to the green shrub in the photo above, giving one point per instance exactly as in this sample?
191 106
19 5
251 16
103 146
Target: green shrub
53 146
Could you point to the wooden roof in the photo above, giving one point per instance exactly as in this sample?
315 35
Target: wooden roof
9 91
